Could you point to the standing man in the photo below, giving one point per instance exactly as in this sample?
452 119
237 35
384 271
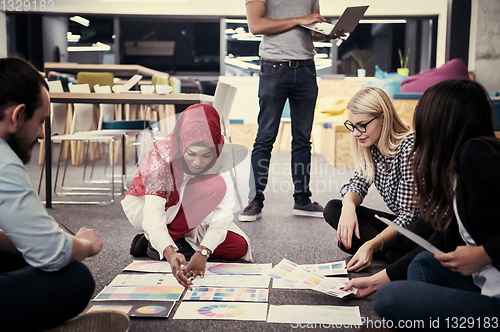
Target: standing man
42 280
287 72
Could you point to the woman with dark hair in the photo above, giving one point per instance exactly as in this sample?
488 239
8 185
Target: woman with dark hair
457 175
183 198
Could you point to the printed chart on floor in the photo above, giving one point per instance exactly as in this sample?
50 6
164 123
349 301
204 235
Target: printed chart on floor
216 280
226 311
296 274
159 293
328 269
227 294
149 266
237 268
281 284
148 279
324 315
144 309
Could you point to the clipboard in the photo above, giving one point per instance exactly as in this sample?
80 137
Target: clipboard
348 20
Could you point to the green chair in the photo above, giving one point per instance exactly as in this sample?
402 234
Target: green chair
91 78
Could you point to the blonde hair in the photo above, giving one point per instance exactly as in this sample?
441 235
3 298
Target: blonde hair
374 101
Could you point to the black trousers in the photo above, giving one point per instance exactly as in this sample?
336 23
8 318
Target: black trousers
370 227
32 299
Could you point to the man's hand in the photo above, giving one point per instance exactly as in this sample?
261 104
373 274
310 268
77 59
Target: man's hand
465 259
338 34
310 19
91 236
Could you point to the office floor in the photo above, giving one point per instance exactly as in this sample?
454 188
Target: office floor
277 235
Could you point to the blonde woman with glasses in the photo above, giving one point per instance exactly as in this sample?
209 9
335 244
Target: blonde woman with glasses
381 145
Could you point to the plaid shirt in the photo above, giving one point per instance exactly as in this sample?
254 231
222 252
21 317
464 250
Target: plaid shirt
394 185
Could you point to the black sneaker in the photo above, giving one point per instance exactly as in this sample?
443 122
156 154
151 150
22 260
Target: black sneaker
313 209
152 253
139 245
252 212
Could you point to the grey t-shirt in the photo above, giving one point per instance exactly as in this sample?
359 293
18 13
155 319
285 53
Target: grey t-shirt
294 44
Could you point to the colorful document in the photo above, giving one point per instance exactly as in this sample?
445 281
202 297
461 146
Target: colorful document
158 293
149 266
143 309
296 274
328 269
218 310
216 280
227 294
281 284
147 279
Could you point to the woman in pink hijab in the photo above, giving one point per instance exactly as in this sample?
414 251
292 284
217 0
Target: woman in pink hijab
183 198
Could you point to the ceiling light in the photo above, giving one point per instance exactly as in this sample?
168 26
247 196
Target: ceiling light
382 21
95 47
72 38
81 20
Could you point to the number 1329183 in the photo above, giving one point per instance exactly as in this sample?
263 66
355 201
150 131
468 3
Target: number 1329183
27 5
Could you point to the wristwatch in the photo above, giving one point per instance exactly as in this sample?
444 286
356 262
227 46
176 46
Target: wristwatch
204 252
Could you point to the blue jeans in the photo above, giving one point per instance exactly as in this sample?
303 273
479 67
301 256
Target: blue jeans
32 299
435 296
277 84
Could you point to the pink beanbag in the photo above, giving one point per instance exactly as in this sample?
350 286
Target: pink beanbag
453 69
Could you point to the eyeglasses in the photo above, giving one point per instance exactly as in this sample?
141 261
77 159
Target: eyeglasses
360 127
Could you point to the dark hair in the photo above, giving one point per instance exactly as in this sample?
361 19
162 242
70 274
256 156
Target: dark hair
20 83
448 115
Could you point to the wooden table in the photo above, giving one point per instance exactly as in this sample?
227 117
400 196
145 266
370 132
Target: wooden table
111 98
117 70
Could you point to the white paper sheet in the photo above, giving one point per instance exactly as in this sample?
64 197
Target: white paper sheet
412 236
322 316
281 284
219 310
149 279
237 268
149 266
216 280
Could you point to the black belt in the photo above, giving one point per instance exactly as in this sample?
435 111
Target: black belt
290 63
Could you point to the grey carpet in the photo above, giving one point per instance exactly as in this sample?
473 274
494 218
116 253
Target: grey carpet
278 234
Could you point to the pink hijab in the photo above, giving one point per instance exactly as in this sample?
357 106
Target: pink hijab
162 172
